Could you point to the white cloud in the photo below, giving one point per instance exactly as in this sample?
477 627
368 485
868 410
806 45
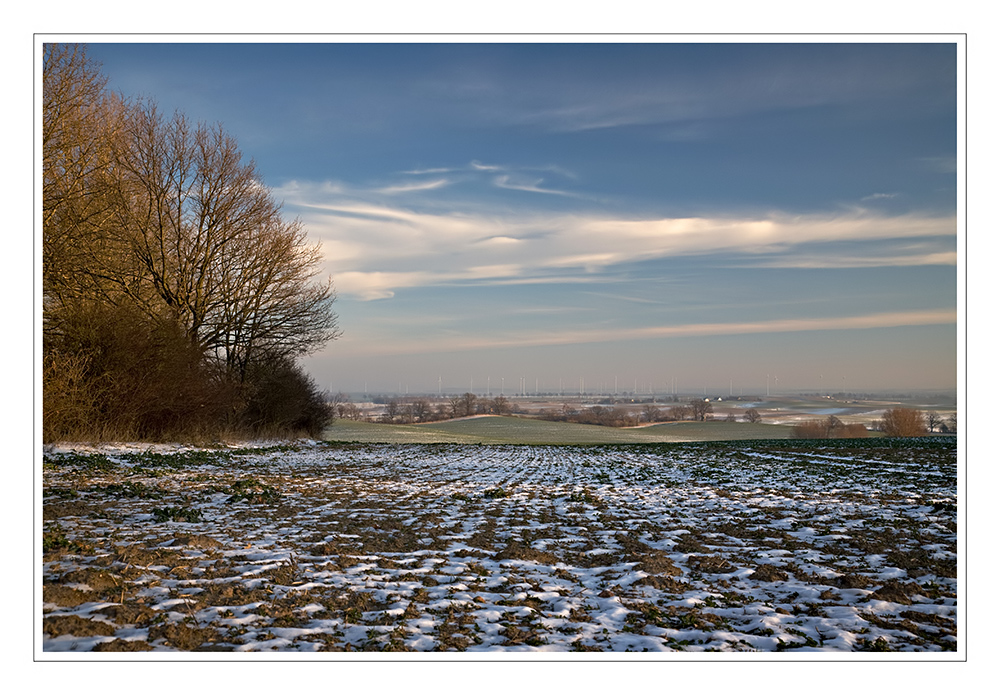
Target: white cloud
484 167
374 248
532 186
501 240
410 187
859 261
433 170
378 285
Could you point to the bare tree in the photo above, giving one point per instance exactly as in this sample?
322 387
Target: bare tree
701 408
464 405
934 422
208 244
392 410
500 405
79 121
751 415
157 233
833 426
420 409
650 413
679 412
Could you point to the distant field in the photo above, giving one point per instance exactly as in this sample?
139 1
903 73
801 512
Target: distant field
511 430
376 433
716 431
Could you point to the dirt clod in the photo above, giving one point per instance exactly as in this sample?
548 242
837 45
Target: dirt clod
896 592
76 626
769 573
120 645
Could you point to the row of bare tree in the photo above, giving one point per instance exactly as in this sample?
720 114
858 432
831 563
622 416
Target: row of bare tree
908 422
620 416
829 428
176 297
895 422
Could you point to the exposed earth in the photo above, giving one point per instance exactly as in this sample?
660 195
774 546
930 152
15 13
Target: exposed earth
837 546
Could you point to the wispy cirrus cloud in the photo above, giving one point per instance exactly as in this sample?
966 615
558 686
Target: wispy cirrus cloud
531 186
518 178
375 249
413 187
690 104
941 165
571 336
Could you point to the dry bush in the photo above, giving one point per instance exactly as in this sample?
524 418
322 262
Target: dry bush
903 422
111 372
812 429
280 397
168 271
829 428
68 404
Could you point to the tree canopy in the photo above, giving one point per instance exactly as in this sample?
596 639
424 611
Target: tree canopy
158 233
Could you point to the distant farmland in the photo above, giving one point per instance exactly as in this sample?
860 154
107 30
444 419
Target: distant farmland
493 429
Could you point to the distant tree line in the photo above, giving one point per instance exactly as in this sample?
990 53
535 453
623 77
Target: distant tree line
828 428
620 416
895 422
908 422
419 409
176 298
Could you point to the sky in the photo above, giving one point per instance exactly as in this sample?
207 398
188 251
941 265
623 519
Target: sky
651 216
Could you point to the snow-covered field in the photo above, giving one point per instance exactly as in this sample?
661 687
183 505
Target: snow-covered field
837 547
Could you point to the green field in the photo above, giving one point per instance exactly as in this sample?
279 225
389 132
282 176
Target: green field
512 430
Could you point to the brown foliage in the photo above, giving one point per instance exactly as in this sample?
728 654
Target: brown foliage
903 422
174 291
117 374
616 416
679 412
464 405
280 397
830 428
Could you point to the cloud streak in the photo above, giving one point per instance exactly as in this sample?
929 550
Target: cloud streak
412 187
690 330
375 249
531 187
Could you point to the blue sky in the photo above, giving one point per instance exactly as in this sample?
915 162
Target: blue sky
710 216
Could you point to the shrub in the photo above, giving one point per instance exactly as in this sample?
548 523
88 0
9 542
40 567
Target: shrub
830 428
903 422
112 372
281 397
